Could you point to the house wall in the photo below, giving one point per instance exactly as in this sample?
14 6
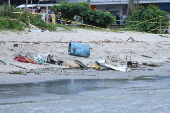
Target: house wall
114 9
117 1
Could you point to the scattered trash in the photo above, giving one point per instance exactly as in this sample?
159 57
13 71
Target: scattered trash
132 64
2 62
18 66
79 49
71 64
35 30
41 62
146 56
112 65
81 64
95 66
46 58
24 60
117 67
16 72
130 39
151 64
15 45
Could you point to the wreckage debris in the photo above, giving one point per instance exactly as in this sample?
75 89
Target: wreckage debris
132 64
2 62
146 56
130 39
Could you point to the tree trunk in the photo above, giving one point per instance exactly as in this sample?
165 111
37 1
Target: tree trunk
26 9
88 1
9 2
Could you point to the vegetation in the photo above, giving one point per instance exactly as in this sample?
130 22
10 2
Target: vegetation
90 16
149 19
145 19
17 72
11 21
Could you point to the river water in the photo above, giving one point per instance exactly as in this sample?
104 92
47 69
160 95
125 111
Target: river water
149 94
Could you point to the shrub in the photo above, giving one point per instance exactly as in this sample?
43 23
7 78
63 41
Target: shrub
20 19
149 19
90 16
6 23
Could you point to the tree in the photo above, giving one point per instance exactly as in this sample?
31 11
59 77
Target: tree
148 19
90 16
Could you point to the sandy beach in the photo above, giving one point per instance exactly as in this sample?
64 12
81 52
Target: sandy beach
145 48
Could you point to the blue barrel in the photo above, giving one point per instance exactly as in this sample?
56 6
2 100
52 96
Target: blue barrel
79 49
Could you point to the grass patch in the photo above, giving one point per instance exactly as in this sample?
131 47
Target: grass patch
17 72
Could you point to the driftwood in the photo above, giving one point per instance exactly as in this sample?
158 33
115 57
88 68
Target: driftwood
18 66
146 56
3 62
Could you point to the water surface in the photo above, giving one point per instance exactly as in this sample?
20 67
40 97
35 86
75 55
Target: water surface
141 95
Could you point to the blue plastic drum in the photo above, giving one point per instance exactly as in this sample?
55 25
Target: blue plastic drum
79 49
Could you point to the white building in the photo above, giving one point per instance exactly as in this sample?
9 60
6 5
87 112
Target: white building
118 5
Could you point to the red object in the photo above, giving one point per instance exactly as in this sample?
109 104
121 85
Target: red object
25 60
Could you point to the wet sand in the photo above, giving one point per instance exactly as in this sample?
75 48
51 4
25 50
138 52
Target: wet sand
56 73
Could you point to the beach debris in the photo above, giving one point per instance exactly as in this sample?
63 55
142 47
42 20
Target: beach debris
151 64
130 39
2 62
35 30
132 64
150 69
71 64
79 49
15 45
81 64
24 60
16 72
163 36
117 67
114 58
41 62
95 66
112 65
2 42
18 66
47 58
146 56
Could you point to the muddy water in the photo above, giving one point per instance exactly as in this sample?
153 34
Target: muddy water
141 95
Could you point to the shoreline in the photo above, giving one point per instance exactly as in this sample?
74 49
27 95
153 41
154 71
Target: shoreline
41 75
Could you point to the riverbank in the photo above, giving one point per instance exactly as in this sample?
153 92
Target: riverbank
134 46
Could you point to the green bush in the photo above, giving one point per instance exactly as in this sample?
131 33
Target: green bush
90 16
20 19
6 23
148 19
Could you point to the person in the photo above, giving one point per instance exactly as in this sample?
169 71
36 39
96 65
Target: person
38 9
43 15
49 16
107 10
52 17
124 18
58 16
117 18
